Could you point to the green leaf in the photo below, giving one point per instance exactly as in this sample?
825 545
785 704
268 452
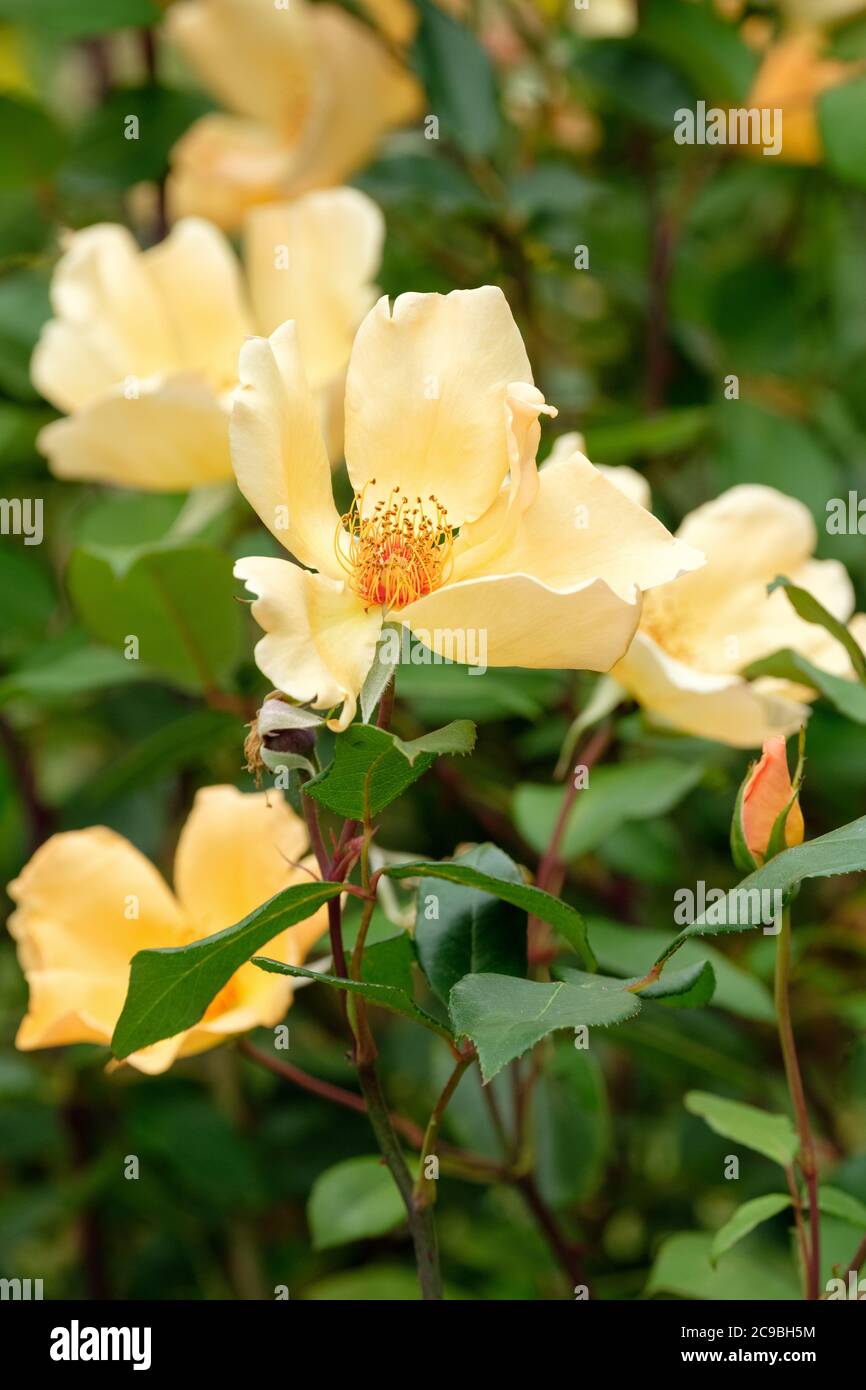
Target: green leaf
701 44
842 124
794 458
24 308
177 600
631 951
379 675
32 144
848 697
19 427
107 156
170 989
84 17
182 742
372 767
807 607
771 1135
745 1219
56 676
27 598
416 180
689 988
648 436
505 1016
571 1126
841 851
613 796
458 78
683 1267
354 1200
535 901
389 961
437 692
385 996
835 1202
471 931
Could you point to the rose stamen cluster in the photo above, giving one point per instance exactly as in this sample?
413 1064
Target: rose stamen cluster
396 554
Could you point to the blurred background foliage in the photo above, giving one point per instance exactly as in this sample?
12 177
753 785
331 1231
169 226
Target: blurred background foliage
702 263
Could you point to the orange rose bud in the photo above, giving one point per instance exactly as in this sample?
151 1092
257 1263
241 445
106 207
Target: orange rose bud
767 791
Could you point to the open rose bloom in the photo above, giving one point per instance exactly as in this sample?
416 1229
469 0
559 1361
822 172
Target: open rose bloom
87 901
452 528
311 91
142 351
696 636
793 74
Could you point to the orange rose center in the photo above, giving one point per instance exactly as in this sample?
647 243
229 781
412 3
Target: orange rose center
398 552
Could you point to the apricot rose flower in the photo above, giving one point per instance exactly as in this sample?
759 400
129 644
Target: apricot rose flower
696 636
452 529
142 352
311 89
88 900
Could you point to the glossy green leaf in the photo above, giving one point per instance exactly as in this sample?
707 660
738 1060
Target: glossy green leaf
461 930
842 122
458 78
170 989
834 1202
32 144
689 988
745 1219
570 1125
178 601
354 1200
771 1135
84 17
386 996
683 1267
372 767
109 153
630 951
753 901
612 797
807 607
848 696
505 1016
703 45
567 920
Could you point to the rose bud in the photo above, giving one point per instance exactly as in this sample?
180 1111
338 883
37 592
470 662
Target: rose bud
767 818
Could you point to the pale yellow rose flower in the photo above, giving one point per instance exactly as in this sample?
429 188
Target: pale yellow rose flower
453 530
311 91
88 900
398 19
142 352
792 76
697 635
603 19
628 480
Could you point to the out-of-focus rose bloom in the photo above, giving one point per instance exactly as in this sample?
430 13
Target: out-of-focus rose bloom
698 634
142 352
791 78
604 19
628 480
311 91
766 792
398 19
442 430
87 901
